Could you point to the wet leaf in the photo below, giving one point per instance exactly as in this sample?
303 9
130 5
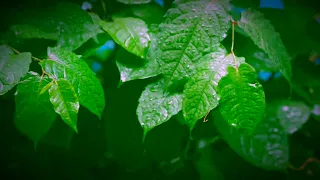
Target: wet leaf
149 68
65 102
64 64
268 147
263 34
292 114
242 101
189 31
130 33
12 67
34 114
67 23
200 94
156 107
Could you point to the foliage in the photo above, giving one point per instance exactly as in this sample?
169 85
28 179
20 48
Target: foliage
166 80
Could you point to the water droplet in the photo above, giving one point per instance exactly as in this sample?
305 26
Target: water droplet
285 108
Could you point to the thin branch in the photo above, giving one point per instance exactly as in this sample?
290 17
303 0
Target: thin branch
18 52
303 166
232 45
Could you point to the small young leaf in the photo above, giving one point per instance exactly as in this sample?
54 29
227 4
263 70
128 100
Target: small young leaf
156 107
265 37
242 101
130 33
190 30
67 65
134 1
200 94
34 112
46 88
268 147
67 23
150 68
12 67
292 114
65 102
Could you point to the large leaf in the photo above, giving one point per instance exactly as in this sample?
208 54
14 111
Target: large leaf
200 94
67 65
34 112
65 102
149 13
242 101
267 148
292 114
27 31
60 135
130 33
190 30
265 37
149 67
67 23
134 1
12 67
156 107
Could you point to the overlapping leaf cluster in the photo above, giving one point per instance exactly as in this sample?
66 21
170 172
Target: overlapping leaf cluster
194 74
68 84
66 81
185 52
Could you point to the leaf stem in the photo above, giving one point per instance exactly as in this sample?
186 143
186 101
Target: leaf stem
205 117
18 52
232 45
38 60
303 166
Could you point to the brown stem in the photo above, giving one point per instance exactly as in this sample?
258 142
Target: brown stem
18 52
205 117
303 166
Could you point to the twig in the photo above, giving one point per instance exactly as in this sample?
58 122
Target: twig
303 166
232 45
18 52
205 117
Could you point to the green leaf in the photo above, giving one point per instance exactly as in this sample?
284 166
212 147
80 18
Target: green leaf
149 67
292 114
34 114
26 31
156 107
12 67
200 94
267 148
134 1
67 65
130 33
67 23
265 37
60 135
144 12
242 101
65 102
190 30
261 62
